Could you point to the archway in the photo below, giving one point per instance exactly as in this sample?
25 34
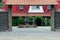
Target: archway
26 2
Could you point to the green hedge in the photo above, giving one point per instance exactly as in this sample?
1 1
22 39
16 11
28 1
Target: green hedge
47 22
1 4
20 20
0 1
39 17
15 21
30 18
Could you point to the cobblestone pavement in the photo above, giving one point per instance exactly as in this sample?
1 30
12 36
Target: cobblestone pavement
40 33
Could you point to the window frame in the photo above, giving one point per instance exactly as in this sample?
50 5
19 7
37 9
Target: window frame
35 8
49 7
21 7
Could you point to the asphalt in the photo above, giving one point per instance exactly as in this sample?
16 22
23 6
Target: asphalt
40 33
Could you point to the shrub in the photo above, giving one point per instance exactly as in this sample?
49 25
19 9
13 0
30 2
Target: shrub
40 18
47 22
1 4
0 0
14 21
30 18
21 20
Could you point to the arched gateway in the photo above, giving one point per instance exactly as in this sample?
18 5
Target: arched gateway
29 2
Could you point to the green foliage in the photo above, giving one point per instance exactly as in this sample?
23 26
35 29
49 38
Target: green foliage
30 18
21 20
39 17
18 20
14 21
0 1
47 22
42 24
1 4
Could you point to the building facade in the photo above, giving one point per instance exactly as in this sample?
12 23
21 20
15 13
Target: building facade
30 10
21 10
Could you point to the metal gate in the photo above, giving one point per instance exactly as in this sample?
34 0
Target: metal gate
4 21
57 20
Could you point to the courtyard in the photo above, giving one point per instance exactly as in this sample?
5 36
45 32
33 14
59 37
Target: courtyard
40 33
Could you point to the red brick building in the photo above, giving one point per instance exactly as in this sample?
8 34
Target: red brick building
29 10
21 10
18 11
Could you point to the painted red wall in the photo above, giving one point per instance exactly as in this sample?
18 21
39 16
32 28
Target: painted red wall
58 6
5 7
46 10
15 9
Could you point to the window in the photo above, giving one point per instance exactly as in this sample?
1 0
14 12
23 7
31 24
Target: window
49 7
21 7
35 7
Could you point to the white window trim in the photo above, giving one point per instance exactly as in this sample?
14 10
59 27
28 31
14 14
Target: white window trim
36 10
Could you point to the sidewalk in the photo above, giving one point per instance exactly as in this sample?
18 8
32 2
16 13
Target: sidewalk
40 33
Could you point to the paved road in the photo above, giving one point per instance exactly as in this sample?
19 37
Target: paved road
41 33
